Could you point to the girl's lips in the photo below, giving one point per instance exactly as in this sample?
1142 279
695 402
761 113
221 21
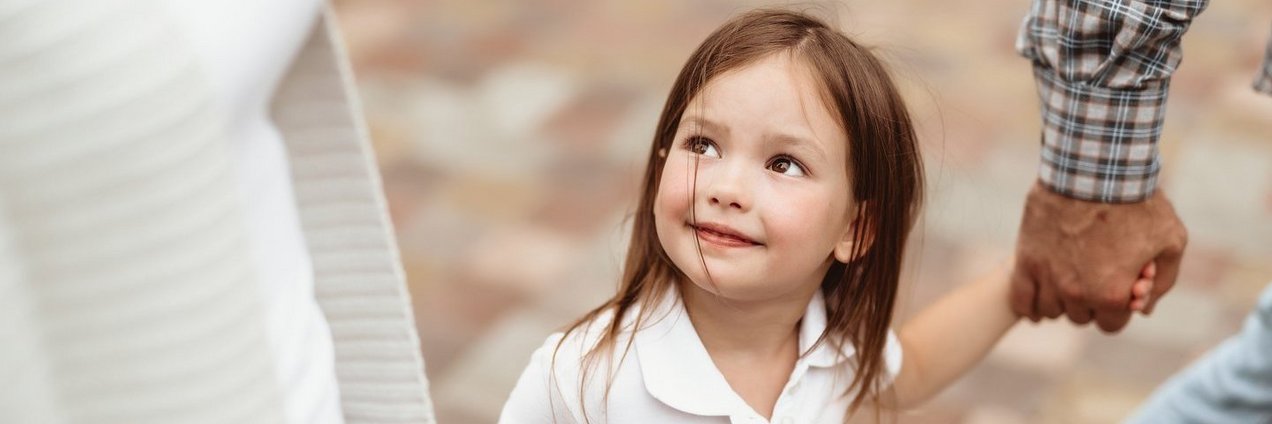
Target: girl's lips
722 236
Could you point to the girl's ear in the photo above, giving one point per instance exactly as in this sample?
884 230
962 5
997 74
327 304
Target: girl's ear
844 251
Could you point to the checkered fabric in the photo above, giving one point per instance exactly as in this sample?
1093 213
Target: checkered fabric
1263 82
1103 70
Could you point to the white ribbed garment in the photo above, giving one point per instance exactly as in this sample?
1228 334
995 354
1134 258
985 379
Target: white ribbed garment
245 48
126 287
358 275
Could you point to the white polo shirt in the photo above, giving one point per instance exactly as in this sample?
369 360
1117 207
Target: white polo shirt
668 377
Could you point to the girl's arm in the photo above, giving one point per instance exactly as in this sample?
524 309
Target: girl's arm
949 337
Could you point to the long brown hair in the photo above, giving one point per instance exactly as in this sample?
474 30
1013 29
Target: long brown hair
884 167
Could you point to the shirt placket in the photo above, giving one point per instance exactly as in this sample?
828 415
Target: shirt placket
784 412
787 408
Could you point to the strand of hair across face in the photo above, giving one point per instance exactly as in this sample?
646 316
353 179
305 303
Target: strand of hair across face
693 217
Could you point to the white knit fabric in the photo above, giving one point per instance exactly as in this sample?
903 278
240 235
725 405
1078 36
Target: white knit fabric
127 291
245 48
358 275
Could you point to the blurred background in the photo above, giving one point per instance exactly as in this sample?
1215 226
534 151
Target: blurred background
511 136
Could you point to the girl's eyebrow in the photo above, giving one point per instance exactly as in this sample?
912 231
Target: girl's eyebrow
797 143
703 122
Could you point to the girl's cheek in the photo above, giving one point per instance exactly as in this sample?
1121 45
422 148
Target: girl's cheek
799 216
672 192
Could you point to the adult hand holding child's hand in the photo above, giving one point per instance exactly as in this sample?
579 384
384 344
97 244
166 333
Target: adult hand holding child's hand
1081 258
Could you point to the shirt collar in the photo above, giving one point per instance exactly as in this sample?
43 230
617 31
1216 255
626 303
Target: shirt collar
811 328
678 371
675 365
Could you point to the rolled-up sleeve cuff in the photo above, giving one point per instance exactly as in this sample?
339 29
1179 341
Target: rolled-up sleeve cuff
1100 144
1102 69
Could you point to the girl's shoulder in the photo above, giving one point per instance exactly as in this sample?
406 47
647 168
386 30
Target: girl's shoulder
553 387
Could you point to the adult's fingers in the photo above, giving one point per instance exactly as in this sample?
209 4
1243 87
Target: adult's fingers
1167 272
1174 237
1048 299
1112 321
1078 312
1023 290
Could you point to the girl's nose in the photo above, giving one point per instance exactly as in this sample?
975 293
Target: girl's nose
716 200
729 189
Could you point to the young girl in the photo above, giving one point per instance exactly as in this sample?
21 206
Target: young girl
782 183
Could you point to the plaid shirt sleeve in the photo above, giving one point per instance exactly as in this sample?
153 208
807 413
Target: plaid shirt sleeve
1263 82
1103 69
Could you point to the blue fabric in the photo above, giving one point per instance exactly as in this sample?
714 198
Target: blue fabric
1231 384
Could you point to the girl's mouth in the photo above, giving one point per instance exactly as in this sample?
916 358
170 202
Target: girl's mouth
722 235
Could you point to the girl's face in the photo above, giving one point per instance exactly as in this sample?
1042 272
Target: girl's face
773 199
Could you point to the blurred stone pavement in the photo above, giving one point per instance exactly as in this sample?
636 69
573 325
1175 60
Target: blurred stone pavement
511 136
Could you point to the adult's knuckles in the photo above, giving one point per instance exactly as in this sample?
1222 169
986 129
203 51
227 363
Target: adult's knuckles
1110 300
1071 291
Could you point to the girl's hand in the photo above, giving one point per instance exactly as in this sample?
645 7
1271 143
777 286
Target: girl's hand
1143 287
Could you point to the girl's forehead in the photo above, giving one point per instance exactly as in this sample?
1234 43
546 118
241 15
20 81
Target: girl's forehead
777 94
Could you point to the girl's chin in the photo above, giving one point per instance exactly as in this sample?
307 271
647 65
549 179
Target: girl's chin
722 288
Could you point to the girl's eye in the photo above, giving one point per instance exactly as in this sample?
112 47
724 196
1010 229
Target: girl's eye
787 166
702 146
